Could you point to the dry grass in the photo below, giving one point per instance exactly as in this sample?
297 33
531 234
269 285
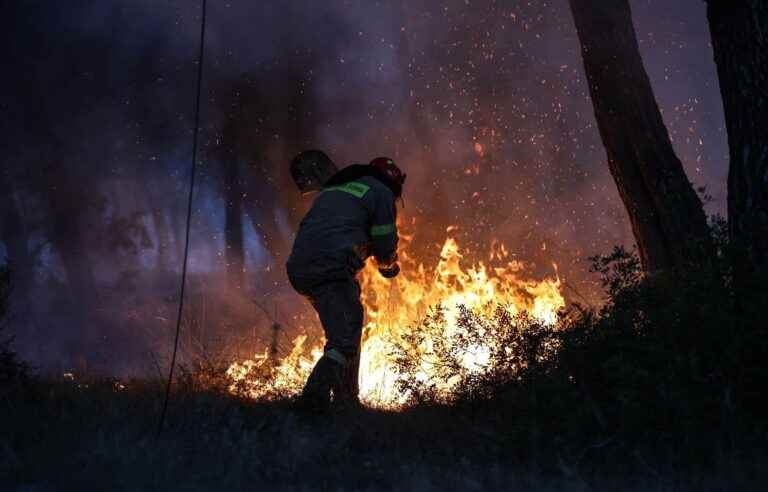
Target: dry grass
655 392
69 435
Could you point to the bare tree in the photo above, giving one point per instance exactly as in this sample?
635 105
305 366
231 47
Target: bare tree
740 41
667 217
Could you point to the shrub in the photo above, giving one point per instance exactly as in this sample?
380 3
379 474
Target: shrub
660 360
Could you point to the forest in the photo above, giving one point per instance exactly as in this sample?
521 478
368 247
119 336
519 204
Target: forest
582 254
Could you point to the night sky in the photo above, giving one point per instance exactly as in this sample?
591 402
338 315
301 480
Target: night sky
483 103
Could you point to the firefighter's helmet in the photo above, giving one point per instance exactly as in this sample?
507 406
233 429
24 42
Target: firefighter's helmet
392 173
311 169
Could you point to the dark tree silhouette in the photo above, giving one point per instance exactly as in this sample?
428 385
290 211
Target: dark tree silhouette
233 196
163 230
667 217
740 43
265 117
15 235
67 229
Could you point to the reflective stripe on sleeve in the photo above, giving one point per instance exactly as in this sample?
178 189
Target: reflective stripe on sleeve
354 188
337 356
382 230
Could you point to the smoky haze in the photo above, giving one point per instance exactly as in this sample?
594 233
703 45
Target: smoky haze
483 103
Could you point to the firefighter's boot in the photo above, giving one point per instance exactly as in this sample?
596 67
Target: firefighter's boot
346 395
327 377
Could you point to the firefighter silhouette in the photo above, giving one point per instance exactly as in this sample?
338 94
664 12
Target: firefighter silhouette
352 219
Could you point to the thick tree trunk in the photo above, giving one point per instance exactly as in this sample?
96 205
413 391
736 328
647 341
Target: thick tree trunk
667 217
740 42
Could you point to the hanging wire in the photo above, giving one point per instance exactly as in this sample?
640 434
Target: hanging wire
189 217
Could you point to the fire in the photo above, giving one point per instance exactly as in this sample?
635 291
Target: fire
393 307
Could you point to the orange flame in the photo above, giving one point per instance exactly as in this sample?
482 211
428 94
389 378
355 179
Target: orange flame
395 306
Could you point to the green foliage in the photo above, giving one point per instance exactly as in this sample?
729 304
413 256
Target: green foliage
512 345
680 363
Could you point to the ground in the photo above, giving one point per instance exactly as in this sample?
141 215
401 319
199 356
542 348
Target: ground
69 435
660 390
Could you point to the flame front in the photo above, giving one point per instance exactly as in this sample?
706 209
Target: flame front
395 306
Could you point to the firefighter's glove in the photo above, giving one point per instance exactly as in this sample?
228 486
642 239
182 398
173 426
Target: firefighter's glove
390 271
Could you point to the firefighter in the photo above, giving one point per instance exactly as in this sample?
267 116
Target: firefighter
352 219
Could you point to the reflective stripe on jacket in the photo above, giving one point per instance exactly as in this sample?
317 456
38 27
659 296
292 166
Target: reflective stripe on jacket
347 223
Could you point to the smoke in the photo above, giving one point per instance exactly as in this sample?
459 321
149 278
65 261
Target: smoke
483 103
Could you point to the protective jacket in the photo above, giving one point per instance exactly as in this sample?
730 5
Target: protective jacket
353 218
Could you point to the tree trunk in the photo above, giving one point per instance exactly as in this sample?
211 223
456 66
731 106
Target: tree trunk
233 224
667 217
67 206
266 227
233 197
14 234
162 234
263 220
740 43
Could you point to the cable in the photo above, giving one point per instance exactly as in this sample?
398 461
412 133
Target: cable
189 217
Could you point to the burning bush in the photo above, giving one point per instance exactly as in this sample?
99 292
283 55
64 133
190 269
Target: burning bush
472 358
265 378
655 361
659 384
658 359
400 327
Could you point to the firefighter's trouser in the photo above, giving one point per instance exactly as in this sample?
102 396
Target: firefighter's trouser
338 305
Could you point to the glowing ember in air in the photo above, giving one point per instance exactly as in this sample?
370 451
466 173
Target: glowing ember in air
393 307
